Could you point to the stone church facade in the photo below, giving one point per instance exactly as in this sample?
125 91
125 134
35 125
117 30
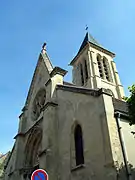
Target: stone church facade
73 130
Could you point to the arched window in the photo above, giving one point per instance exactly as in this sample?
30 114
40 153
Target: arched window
99 66
32 150
86 70
78 145
81 70
38 104
106 69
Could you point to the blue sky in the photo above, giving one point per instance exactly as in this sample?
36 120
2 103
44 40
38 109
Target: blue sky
25 25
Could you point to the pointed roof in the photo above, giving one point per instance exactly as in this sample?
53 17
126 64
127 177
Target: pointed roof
43 57
90 39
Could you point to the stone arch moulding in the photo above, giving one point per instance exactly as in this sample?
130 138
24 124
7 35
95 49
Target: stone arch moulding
75 123
33 147
79 147
73 156
111 92
38 103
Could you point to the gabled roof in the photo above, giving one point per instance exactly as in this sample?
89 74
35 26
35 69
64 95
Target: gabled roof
90 39
42 57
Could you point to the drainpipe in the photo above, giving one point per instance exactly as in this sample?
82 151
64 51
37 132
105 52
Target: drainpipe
118 115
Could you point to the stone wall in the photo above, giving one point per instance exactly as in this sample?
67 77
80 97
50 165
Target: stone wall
90 113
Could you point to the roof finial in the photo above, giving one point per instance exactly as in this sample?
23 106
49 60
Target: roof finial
86 28
44 48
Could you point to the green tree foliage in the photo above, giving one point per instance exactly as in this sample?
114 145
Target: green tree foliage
131 104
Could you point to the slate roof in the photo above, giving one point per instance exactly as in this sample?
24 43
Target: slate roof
89 38
120 106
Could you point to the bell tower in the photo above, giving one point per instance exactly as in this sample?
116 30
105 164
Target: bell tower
94 67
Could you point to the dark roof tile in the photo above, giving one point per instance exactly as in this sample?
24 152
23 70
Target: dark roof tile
89 38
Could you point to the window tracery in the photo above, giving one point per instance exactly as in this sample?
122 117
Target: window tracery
32 150
38 104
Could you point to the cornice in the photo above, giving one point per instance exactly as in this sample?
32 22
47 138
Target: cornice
48 104
83 90
58 70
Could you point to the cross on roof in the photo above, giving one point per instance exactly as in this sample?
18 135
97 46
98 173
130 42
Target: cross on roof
86 28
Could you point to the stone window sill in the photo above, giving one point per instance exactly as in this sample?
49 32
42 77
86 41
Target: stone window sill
78 167
108 82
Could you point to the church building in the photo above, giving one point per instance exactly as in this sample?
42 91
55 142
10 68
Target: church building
78 130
